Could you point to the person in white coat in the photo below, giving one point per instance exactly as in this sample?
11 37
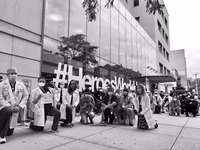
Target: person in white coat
143 109
69 102
43 105
13 98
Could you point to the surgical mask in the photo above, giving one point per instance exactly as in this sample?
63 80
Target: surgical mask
40 84
175 99
62 86
110 93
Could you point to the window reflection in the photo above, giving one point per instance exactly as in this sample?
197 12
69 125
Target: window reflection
122 29
114 36
128 45
56 18
105 31
77 18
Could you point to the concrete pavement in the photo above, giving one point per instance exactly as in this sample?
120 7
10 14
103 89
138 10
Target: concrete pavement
173 133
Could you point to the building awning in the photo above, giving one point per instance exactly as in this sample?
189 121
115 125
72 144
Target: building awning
155 79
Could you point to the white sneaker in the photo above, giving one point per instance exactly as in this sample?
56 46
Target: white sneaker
3 140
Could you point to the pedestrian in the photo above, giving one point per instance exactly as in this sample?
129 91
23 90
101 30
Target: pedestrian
87 105
13 98
98 97
59 96
109 103
174 106
127 107
143 109
43 105
157 102
191 106
70 101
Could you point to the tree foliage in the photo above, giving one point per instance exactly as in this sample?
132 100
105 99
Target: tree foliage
154 6
77 48
91 7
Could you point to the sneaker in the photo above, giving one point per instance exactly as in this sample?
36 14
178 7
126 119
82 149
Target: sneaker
55 131
2 140
130 124
63 124
91 121
69 125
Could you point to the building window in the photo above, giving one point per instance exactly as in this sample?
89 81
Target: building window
168 72
136 3
160 47
138 19
167 54
164 52
166 22
165 71
159 25
166 38
163 32
161 68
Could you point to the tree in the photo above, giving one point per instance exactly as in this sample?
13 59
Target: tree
91 7
77 48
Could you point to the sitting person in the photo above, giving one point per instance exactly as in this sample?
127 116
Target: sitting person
109 103
43 105
174 106
191 106
157 102
86 107
127 107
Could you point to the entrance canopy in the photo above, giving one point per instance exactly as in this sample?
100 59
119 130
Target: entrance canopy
155 79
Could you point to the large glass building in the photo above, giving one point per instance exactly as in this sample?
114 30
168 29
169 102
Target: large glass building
116 48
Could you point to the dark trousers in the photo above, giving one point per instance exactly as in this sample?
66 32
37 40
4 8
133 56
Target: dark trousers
49 110
5 115
68 115
108 114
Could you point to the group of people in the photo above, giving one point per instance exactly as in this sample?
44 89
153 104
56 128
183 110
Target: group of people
62 103
175 104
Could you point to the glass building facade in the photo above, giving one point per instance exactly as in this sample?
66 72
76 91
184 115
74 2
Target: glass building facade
124 48
31 33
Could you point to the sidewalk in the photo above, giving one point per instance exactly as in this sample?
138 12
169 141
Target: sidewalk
173 133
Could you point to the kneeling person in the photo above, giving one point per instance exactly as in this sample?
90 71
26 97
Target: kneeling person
127 106
42 99
13 98
86 107
174 106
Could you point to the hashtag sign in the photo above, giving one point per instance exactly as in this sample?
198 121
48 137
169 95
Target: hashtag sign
59 73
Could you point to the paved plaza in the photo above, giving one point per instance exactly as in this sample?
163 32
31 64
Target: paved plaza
173 133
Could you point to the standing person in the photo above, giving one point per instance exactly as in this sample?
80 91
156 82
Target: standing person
13 98
43 105
70 101
143 109
174 106
87 105
109 103
127 106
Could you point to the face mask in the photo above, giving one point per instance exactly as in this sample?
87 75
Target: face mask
175 99
41 84
61 86
110 93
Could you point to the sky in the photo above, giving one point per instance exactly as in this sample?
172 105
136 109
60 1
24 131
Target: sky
184 27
